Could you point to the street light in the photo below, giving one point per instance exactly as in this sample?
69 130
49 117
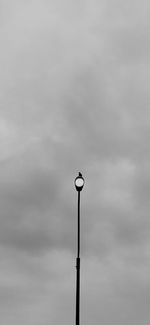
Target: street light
79 183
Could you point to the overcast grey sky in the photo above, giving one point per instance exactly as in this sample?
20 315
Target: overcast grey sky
74 96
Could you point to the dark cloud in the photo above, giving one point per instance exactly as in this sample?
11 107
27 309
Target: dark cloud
74 96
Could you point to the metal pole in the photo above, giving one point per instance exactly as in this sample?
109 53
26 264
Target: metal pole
78 267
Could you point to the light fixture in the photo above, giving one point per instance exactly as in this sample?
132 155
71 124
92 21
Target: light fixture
79 182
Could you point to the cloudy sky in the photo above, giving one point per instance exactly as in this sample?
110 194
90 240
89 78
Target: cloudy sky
74 96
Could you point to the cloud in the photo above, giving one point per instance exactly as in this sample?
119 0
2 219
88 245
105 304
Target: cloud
74 96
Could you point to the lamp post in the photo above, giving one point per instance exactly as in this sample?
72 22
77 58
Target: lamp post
79 183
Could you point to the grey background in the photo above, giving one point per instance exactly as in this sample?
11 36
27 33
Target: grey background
74 96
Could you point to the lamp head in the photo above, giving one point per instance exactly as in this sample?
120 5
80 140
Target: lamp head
79 182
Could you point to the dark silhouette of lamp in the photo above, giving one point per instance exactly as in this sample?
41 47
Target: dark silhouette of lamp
79 183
